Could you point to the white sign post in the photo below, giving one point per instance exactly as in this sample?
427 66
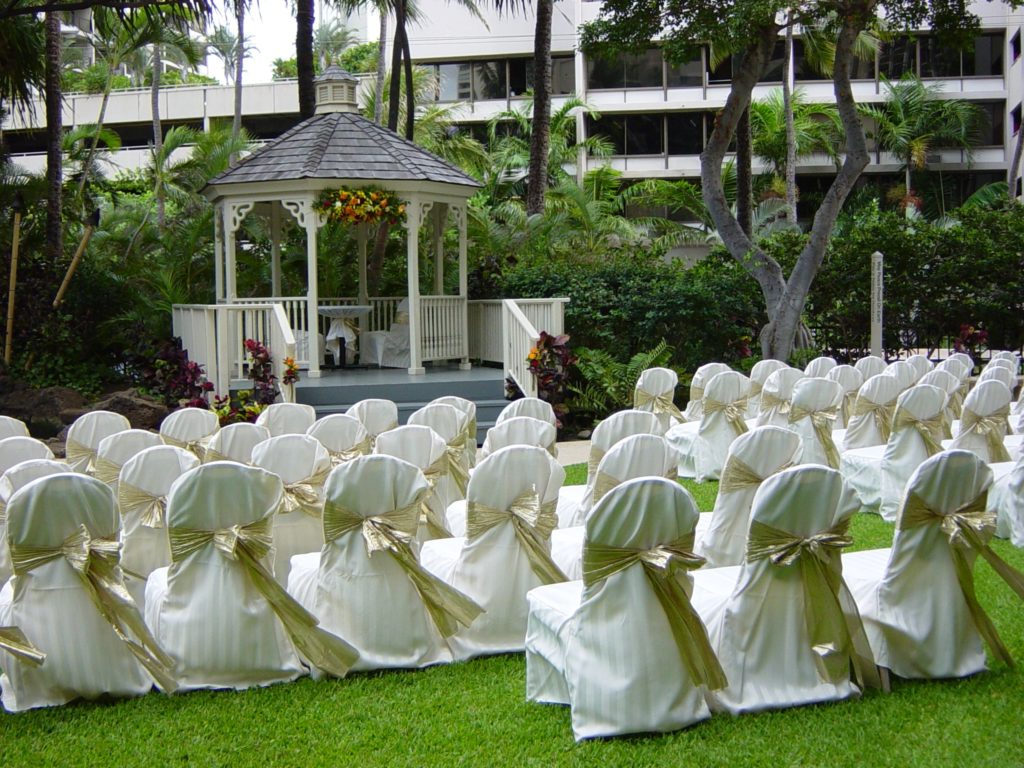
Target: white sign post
877 274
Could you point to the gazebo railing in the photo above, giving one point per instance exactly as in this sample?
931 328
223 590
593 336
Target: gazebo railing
518 337
442 329
485 323
214 336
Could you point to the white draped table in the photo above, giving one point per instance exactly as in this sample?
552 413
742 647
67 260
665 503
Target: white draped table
344 325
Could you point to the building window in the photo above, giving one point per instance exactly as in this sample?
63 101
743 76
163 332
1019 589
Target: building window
455 82
1015 116
630 135
986 60
563 75
1015 45
722 73
489 80
773 72
605 72
898 57
685 133
641 70
938 60
520 76
993 123
689 74
612 128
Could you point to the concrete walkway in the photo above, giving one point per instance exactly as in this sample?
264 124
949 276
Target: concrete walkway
573 452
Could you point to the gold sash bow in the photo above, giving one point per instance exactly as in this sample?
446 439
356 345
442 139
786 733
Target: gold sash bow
532 522
821 421
880 412
771 401
968 531
846 407
930 430
105 470
457 469
196 447
361 448
393 532
13 641
657 404
151 509
661 564
834 626
436 527
249 545
304 496
594 461
738 476
75 452
471 441
96 562
734 413
992 427
605 483
211 455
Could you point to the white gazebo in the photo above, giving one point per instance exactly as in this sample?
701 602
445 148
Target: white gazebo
339 148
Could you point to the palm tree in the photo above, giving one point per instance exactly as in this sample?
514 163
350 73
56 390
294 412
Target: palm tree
22 68
223 43
330 39
54 129
816 128
914 120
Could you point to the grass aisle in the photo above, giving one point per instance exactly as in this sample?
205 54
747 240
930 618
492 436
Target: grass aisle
475 714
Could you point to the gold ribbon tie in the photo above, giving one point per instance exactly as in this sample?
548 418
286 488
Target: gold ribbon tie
96 562
431 517
304 496
735 413
151 509
770 401
930 430
392 533
75 452
248 545
880 412
594 461
737 475
992 427
197 447
13 641
657 404
821 421
362 448
457 468
834 627
532 522
105 470
661 565
968 532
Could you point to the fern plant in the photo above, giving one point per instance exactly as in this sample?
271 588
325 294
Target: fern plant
603 384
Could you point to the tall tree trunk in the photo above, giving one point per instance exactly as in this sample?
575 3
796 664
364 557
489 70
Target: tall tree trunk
540 136
410 91
304 13
745 175
158 133
54 158
787 106
395 86
236 123
90 154
382 68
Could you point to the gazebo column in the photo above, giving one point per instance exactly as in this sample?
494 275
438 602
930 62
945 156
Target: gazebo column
275 249
460 217
414 213
361 236
440 217
234 215
218 252
309 220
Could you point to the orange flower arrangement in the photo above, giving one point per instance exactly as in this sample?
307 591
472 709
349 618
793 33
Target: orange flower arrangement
361 206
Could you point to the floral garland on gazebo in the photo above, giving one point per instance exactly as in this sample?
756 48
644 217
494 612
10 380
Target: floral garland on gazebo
361 206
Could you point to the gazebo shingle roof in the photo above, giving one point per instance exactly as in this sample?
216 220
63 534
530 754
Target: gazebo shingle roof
342 145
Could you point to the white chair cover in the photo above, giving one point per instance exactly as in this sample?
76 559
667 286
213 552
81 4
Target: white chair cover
342 435
63 532
287 418
983 422
702 446
758 375
450 423
819 367
1004 354
949 384
759 628
1012 364
11 427
701 377
302 463
1005 500
608 648
903 372
142 490
376 415
520 430
632 457
752 458
880 473
426 450
468 407
851 380
533 407
921 365
916 614
574 501
508 550
190 428
955 366
966 360
777 396
206 609
366 584
1002 375
235 443
816 403
114 451
14 450
871 419
870 365
12 480
85 434
655 392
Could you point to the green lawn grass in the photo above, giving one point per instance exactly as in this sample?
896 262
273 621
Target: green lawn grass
475 714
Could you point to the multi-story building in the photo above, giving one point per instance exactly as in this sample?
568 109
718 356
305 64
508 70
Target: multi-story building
657 116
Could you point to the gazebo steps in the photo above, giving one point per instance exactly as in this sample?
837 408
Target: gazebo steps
337 390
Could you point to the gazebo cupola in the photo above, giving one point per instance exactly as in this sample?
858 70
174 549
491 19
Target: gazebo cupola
339 148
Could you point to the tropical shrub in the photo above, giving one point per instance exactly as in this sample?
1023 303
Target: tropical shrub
601 384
